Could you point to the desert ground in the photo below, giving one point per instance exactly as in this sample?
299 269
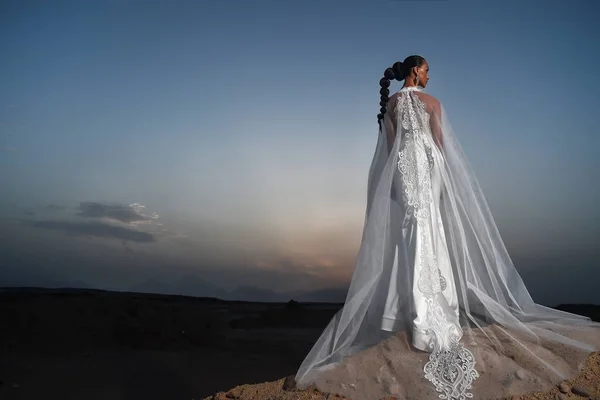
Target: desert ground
88 344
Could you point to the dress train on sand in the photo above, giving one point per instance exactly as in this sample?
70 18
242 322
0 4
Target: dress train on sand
435 308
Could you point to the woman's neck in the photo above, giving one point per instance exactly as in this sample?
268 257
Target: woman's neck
410 82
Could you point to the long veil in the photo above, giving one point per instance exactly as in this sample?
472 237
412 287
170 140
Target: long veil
494 342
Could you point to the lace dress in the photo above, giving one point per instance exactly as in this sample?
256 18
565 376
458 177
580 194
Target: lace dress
433 301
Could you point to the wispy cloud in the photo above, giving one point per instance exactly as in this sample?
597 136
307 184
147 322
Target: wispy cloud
127 214
95 229
110 221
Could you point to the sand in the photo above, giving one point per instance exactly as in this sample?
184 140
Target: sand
586 385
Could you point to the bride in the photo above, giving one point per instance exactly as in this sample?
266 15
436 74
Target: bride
436 308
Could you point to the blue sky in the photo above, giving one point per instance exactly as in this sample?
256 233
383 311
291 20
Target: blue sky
249 127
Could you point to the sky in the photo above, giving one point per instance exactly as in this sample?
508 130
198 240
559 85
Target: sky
208 147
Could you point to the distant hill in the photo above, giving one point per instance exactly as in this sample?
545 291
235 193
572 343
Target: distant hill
333 295
192 285
187 285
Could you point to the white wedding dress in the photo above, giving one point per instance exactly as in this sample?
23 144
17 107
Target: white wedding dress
427 251
436 309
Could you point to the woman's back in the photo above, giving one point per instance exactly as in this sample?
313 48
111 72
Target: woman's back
428 103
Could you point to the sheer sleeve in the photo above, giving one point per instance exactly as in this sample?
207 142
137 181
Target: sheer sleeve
390 121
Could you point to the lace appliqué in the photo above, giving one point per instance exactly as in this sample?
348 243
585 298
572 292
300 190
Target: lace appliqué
415 159
451 367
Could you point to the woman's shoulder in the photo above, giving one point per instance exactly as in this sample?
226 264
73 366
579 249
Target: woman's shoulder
392 102
394 97
431 102
428 98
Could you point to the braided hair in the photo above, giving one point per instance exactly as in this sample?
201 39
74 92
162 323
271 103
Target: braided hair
398 71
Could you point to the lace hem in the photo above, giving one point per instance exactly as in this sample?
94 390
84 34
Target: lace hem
451 367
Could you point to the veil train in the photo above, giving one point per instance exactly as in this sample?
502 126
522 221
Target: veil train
436 308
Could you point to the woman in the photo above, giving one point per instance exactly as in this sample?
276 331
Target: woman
436 309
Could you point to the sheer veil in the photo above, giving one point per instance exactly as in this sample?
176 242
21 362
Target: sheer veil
481 334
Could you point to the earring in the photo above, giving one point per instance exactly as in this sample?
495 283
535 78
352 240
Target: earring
416 80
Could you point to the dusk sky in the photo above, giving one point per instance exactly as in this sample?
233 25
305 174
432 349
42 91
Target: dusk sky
246 130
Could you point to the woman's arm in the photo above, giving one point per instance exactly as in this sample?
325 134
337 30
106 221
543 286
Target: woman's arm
436 125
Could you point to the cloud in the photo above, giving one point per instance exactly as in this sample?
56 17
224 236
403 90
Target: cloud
95 229
9 149
109 221
127 214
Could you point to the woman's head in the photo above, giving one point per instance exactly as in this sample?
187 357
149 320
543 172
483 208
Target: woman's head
414 70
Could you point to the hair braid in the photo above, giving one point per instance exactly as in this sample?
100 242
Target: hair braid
398 71
384 82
